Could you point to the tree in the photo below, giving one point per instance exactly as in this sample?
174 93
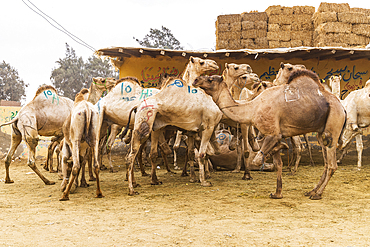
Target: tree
73 73
11 86
160 39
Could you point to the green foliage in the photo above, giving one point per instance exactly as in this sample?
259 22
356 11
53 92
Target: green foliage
73 73
11 86
160 39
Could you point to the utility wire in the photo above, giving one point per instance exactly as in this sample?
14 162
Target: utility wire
75 38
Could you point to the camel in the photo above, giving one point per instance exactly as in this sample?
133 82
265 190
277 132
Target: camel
242 82
357 105
298 107
79 136
43 116
334 82
98 86
194 68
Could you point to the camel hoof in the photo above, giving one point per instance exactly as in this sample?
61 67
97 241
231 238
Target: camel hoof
206 184
64 197
45 167
315 197
274 196
84 185
53 171
9 181
73 188
103 167
99 196
156 182
235 171
247 178
192 180
184 174
176 168
145 174
92 179
49 182
135 185
112 170
310 193
133 193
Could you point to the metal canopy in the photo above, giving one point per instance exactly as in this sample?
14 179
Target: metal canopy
305 53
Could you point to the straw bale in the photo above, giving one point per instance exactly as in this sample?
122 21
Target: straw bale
307 42
247 43
285 44
274 44
260 25
254 16
362 29
287 10
304 18
221 19
223 27
281 36
234 44
273 27
261 43
302 35
236 26
302 26
247 25
280 19
349 38
323 37
323 17
274 10
222 35
361 10
253 34
331 44
303 10
334 27
221 44
352 17
334 7
286 27
296 43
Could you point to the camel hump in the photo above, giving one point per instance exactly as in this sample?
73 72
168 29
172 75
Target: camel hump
304 72
43 88
129 78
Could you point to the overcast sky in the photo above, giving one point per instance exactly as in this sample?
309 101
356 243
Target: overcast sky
32 46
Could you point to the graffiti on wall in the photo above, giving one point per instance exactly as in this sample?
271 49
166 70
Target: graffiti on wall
352 79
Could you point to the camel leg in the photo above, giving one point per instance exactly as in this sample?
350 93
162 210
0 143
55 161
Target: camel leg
343 153
279 181
184 170
49 159
359 147
66 154
206 136
191 156
176 147
135 146
153 156
312 163
16 140
165 150
75 170
246 148
267 146
140 160
297 149
89 165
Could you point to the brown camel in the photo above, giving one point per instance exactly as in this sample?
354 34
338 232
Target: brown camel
298 107
43 116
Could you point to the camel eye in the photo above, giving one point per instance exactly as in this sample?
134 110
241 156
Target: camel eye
201 63
236 68
290 69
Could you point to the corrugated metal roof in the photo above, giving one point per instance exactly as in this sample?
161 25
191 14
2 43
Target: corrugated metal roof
305 53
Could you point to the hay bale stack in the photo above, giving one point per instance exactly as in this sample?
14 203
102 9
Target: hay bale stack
228 32
339 25
290 26
254 30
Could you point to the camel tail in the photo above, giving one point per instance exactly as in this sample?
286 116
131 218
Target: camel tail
128 123
10 122
343 127
87 121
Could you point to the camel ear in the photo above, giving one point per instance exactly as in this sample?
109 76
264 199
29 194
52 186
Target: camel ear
94 79
340 77
282 65
302 66
226 66
191 59
249 69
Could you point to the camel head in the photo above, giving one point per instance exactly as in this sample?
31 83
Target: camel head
350 131
212 85
82 95
202 65
285 71
334 80
102 84
236 70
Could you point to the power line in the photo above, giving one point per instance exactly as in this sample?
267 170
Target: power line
75 38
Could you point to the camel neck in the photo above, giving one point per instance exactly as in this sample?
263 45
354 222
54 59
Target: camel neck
94 94
189 75
232 109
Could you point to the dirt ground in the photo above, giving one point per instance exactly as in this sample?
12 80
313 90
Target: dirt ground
232 212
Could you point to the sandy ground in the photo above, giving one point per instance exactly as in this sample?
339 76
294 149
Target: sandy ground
177 213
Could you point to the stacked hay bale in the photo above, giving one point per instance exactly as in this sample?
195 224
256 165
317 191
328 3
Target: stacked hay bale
339 25
254 30
289 26
228 32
